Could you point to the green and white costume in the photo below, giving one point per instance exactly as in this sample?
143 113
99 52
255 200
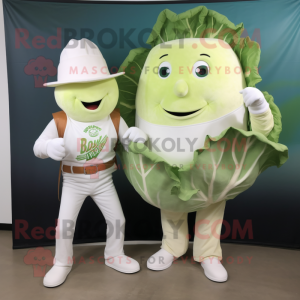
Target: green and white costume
228 161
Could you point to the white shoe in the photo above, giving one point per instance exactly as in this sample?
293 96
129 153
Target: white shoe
56 276
123 263
161 260
214 270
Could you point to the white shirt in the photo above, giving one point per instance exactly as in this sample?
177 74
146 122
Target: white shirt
86 143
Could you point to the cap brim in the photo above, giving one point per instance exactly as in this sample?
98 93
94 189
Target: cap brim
58 83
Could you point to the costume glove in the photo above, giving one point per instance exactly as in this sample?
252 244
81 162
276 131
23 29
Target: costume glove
56 149
134 134
254 100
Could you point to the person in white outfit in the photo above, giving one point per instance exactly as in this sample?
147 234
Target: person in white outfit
83 137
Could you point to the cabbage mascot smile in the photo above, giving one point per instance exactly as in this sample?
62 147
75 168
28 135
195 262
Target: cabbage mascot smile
211 132
83 137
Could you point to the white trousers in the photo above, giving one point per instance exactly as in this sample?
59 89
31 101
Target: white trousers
104 194
207 232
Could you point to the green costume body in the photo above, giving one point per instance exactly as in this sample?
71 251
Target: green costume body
227 164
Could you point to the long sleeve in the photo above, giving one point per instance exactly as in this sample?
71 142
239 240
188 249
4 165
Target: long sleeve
122 129
40 146
262 123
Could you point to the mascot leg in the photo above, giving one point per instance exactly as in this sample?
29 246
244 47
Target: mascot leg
73 196
175 241
106 198
207 248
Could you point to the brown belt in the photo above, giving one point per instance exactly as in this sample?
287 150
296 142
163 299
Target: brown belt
89 169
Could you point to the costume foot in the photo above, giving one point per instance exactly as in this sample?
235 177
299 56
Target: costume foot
214 270
56 276
123 263
161 260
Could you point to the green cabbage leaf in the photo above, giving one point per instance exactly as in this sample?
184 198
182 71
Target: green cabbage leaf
228 164
225 167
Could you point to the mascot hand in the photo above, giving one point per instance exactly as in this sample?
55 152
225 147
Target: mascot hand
134 134
255 100
56 149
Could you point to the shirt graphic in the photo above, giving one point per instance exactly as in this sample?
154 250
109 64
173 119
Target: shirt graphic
91 149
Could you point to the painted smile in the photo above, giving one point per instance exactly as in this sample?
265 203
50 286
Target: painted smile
181 114
91 105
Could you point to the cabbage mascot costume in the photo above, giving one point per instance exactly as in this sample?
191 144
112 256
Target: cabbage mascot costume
211 132
83 137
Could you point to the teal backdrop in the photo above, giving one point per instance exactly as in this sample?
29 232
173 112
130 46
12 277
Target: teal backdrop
272 205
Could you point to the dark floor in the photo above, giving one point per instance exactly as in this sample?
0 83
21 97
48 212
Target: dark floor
271 274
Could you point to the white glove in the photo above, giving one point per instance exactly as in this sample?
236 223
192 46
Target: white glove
134 134
254 100
56 149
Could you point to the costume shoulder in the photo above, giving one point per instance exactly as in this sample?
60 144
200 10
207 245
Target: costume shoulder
60 119
115 117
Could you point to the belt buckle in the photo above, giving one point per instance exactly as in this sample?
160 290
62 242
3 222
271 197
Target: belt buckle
84 169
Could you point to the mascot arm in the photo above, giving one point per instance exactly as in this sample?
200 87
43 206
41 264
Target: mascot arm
262 123
261 117
40 146
122 129
132 134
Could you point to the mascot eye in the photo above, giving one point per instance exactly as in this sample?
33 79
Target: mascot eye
35 258
164 70
200 69
43 258
36 68
45 68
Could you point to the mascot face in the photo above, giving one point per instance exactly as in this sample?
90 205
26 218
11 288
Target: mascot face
189 81
88 102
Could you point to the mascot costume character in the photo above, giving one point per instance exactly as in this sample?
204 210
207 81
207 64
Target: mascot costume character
83 137
211 132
